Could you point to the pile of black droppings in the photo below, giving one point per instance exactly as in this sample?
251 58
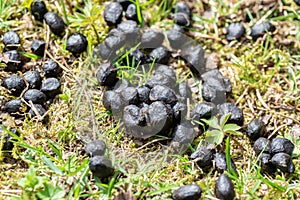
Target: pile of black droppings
147 109
99 164
76 42
114 12
272 154
31 91
236 30
207 159
159 106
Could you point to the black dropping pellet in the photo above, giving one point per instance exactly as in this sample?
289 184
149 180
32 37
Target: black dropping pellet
235 31
133 118
101 166
55 23
259 30
164 69
221 164
113 13
34 79
176 38
38 47
107 75
15 84
203 110
40 111
255 129
38 9
194 55
262 145
163 93
112 101
131 13
51 69
224 188
11 40
143 94
137 57
161 118
34 95
14 62
182 19
95 148
160 55
76 43
121 85
283 162
182 7
51 87
152 39
115 40
215 87
161 79
183 135
187 192
265 163
236 114
7 138
184 91
204 157
130 95
15 107
179 111
282 145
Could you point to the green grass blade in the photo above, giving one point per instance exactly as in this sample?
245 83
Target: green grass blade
50 164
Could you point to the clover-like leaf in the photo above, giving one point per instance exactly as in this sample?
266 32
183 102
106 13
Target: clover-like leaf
50 192
224 119
212 122
231 127
214 137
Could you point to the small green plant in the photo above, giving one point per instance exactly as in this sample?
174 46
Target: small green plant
135 73
159 9
11 9
50 192
219 130
90 19
37 187
66 97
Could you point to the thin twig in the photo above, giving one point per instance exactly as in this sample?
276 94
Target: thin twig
147 144
276 130
261 100
295 120
201 35
242 96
